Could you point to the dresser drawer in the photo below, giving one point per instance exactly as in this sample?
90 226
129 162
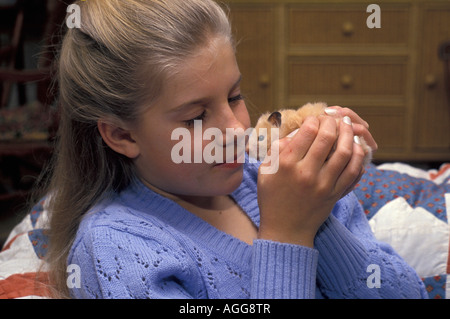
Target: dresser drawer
316 25
387 127
384 76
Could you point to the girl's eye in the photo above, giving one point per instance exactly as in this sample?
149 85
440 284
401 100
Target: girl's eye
201 117
236 98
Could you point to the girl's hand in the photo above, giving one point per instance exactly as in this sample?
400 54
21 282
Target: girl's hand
360 127
298 198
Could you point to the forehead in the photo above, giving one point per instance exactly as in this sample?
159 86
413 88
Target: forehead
211 66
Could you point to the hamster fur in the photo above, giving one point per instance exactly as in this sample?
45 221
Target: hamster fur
287 120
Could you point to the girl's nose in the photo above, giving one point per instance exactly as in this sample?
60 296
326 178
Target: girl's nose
233 130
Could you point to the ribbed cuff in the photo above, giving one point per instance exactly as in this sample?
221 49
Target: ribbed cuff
283 271
342 259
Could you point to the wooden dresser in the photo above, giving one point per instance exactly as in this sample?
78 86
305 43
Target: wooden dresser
293 52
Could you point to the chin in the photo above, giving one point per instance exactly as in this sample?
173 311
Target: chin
230 184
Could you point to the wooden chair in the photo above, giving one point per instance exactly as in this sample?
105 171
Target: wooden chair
12 16
21 159
12 54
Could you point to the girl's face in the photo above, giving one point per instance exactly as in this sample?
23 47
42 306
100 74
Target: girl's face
207 88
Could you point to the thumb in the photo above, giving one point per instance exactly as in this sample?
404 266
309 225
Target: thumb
283 142
277 146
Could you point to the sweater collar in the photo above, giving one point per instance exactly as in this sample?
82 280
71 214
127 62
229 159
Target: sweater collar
149 204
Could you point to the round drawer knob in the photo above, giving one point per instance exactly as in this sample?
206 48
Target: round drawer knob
264 80
346 80
348 28
430 81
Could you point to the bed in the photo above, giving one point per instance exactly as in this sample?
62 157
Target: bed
407 207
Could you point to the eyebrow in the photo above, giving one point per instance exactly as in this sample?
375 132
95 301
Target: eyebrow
203 100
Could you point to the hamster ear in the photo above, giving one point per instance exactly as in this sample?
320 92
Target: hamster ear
275 119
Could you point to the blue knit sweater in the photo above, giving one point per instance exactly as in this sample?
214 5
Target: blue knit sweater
142 245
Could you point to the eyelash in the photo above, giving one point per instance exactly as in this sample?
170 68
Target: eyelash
202 116
236 98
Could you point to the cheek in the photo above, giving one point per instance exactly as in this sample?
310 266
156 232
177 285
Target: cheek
155 146
157 167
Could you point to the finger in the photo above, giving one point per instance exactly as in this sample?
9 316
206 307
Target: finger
299 142
355 182
340 158
352 171
344 111
360 127
362 131
324 142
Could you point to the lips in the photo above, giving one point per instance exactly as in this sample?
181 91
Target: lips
233 162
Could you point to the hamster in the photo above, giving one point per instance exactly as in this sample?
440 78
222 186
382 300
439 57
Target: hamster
287 120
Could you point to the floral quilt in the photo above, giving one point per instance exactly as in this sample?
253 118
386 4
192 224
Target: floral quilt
406 207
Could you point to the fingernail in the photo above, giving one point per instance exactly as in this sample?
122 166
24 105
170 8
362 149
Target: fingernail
357 140
293 133
347 120
331 111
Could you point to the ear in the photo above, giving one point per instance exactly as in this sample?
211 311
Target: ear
275 119
118 139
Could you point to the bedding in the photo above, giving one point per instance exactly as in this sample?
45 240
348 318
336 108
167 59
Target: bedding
22 272
406 207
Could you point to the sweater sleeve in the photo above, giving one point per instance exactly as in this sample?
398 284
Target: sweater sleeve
116 265
283 271
353 264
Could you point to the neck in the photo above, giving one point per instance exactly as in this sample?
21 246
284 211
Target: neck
213 203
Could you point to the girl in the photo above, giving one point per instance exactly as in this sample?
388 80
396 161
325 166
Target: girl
140 226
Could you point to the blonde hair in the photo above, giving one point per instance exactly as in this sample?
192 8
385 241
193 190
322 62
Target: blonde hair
112 68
